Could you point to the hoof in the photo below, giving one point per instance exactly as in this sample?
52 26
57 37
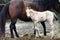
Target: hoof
12 36
17 36
44 34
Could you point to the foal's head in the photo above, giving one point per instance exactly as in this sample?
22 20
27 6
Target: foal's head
28 11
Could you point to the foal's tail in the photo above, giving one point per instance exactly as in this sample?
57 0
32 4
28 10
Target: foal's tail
55 16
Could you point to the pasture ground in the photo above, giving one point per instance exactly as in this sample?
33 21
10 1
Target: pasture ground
31 37
25 31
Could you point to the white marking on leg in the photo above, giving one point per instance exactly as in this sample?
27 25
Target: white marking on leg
52 27
37 29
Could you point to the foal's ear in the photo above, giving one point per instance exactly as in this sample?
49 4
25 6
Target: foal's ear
31 12
27 7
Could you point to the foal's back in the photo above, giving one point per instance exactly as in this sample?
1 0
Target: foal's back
42 16
45 13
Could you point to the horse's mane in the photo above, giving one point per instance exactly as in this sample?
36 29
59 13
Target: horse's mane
45 1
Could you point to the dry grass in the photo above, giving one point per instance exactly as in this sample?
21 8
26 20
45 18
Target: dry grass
31 37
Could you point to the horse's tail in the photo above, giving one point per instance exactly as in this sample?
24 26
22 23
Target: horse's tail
5 10
55 16
3 16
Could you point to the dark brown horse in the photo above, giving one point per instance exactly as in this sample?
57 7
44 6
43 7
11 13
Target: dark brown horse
15 9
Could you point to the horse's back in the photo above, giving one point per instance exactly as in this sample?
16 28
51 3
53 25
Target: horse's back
17 10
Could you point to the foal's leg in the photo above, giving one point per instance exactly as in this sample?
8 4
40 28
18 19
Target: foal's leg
13 27
52 27
44 27
36 29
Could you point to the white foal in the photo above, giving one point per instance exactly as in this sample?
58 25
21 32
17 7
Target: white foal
37 16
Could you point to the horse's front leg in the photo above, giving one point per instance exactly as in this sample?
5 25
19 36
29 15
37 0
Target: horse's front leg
13 28
36 29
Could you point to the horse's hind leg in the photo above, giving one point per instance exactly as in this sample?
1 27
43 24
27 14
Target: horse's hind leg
13 27
2 25
44 27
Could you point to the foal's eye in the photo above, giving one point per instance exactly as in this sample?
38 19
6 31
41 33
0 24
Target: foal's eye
31 12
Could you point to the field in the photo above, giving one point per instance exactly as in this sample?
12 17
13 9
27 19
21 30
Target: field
25 31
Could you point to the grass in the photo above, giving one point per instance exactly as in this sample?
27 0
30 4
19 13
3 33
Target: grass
31 37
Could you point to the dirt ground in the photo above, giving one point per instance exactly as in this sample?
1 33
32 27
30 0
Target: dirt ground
31 37
23 28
